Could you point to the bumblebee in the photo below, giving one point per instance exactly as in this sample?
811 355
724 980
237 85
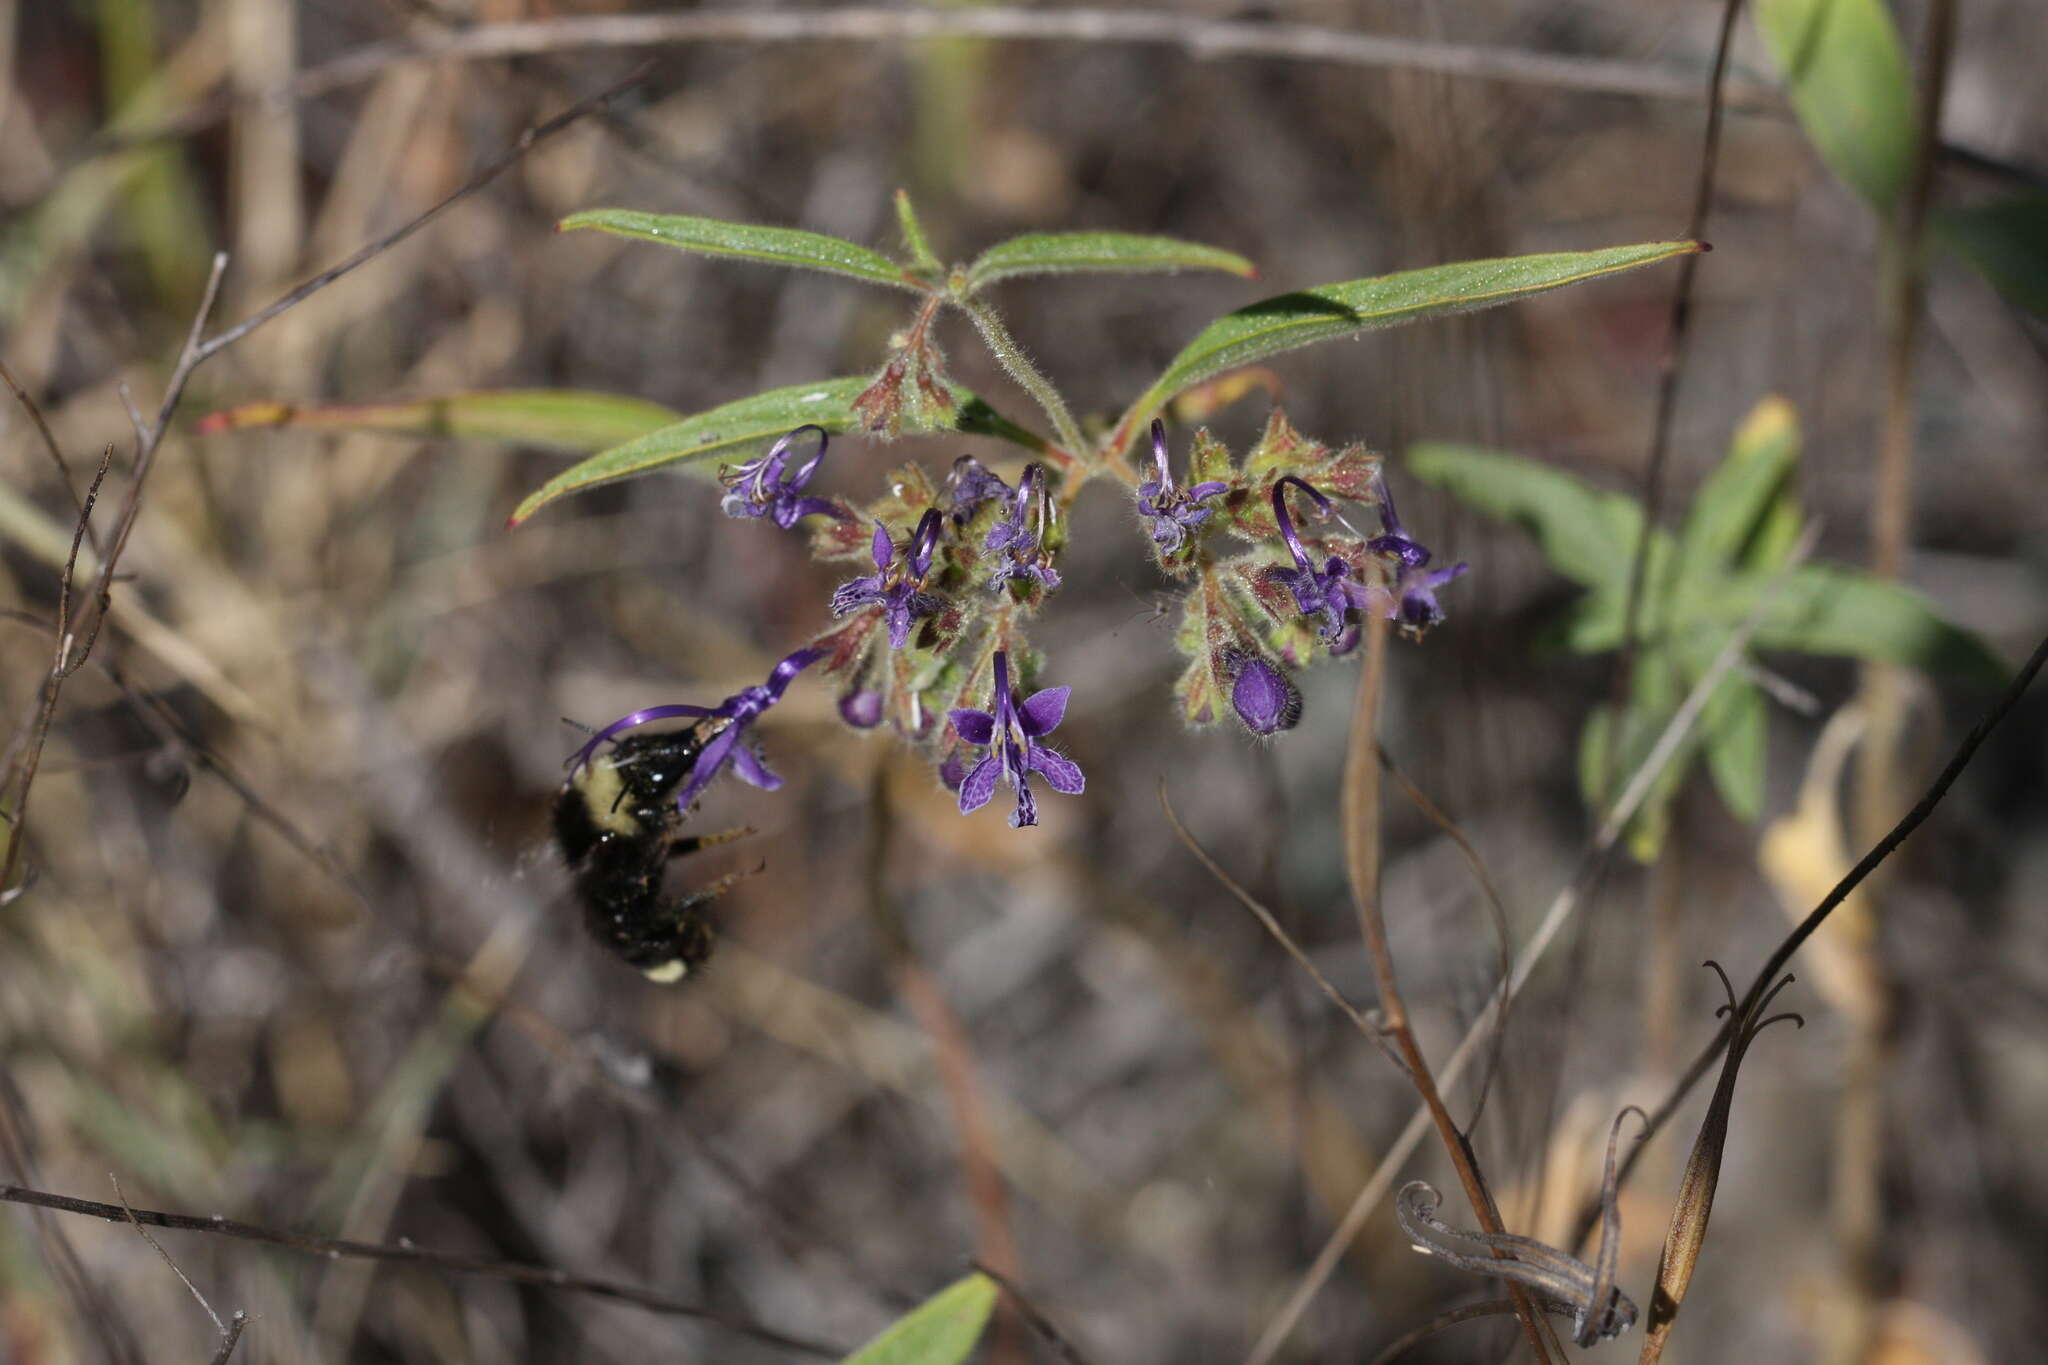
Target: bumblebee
618 827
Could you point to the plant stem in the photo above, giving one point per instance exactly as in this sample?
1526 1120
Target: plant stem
1362 863
1020 368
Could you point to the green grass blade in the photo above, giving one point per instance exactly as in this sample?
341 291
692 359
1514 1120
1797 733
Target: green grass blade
1057 253
939 1331
774 245
567 419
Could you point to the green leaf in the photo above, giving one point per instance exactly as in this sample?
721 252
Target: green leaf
1287 321
569 419
1589 536
1050 253
777 246
1847 75
1733 505
1821 609
939 1331
697 441
914 241
2006 243
1733 729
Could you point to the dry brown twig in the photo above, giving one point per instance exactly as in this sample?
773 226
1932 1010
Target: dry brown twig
513 1272
230 1331
1561 909
1361 823
76 637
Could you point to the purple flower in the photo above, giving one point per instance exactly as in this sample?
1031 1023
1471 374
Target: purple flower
1412 604
1329 592
1172 510
970 485
1011 736
896 590
1020 537
739 711
767 488
1263 697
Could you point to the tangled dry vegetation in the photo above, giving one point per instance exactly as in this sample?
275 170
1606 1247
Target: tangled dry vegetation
286 941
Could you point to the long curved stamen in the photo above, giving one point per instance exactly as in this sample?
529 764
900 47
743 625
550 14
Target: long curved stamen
1287 532
803 472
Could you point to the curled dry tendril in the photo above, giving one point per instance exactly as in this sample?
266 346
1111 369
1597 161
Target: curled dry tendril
1562 1283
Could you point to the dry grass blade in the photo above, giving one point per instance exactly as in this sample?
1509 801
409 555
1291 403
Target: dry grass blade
1272 925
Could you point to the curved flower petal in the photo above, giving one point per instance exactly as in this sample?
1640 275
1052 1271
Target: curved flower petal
1062 774
652 713
748 767
708 765
976 727
1044 710
980 785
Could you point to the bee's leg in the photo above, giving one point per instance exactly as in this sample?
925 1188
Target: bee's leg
680 844
691 937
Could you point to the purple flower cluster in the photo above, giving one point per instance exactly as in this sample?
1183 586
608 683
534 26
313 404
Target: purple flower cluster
1327 583
1018 540
1174 513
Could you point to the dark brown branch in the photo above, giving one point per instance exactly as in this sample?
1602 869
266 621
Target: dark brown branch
1667 384
447 1262
1779 959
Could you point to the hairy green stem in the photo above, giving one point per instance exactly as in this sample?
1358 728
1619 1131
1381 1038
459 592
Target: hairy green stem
1020 368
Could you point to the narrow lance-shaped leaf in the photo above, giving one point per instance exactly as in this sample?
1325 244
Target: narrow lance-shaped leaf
708 437
940 1331
1288 321
774 245
568 419
1847 74
1053 253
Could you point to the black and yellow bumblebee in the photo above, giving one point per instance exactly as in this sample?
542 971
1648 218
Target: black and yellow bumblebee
618 826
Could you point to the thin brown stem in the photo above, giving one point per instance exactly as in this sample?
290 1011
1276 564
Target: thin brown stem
448 1262
50 446
1674 366
1362 862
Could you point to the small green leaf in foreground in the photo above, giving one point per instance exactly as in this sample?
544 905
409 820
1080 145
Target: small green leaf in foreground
1288 321
709 436
939 1331
568 419
774 245
1052 253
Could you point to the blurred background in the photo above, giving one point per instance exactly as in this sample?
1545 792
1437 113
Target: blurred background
297 948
